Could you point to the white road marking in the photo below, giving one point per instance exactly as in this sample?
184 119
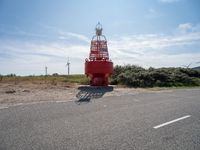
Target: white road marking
136 100
63 101
33 103
3 107
167 123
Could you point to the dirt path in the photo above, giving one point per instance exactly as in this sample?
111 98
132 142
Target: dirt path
26 92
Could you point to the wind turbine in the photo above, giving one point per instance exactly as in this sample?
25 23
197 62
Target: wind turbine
187 66
46 70
68 65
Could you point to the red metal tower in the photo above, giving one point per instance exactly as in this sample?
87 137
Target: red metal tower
98 67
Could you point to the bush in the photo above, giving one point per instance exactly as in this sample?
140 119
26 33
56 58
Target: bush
1 77
135 76
55 74
11 75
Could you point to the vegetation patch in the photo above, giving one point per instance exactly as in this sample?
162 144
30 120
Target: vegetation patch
128 76
53 79
135 76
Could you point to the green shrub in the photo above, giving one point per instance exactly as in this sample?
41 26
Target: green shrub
135 76
1 78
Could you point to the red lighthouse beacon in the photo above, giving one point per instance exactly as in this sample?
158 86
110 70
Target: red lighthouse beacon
98 67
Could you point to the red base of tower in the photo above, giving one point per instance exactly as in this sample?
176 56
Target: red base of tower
98 71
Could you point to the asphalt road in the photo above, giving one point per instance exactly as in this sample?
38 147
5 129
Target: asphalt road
162 120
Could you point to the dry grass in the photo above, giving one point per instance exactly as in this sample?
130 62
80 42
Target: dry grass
54 80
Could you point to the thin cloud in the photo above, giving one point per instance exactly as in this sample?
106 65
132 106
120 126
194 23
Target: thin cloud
144 49
188 27
169 1
152 49
17 54
58 33
16 31
143 42
66 35
63 35
152 13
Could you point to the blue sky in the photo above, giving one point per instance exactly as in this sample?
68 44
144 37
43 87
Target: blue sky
39 33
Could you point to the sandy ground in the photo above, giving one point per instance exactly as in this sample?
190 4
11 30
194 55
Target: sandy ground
26 92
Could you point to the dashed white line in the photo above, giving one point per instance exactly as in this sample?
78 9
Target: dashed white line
172 121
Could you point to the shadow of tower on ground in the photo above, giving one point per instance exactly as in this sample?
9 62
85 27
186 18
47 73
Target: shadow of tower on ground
86 93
